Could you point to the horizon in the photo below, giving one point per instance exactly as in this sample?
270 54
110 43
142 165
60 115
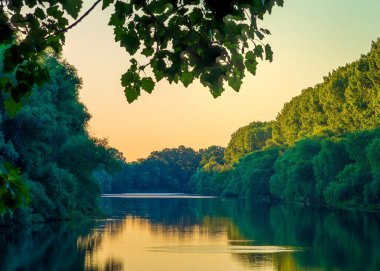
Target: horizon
306 45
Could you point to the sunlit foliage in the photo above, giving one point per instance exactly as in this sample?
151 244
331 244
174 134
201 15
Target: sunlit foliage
328 145
247 139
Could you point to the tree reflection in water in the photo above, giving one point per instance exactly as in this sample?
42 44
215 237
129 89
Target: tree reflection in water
186 234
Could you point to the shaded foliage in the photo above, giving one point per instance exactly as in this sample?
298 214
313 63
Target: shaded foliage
181 40
168 170
47 139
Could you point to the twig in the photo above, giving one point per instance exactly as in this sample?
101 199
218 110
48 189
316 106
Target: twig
76 22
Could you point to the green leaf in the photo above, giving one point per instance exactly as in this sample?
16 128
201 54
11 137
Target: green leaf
158 74
55 12
131 93
187 78
258 51
72 7
147 84
148 51
39 13
259 35
250 62
106 3
122 10
234 82
157 6
268 53
130 41
235 79
214 80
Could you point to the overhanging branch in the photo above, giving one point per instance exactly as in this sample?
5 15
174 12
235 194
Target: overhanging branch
76 22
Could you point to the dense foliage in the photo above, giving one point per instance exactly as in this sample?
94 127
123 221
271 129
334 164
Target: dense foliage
347 100
323 146
168 170
180 39
47 140
247 139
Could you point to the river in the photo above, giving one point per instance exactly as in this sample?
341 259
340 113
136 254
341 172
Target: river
178 232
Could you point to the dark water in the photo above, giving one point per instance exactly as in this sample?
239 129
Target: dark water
198 234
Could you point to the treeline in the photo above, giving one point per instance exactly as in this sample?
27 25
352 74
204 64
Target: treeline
47 142
324 146
337 170
168 170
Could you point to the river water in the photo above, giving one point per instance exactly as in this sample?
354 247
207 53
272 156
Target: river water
178 232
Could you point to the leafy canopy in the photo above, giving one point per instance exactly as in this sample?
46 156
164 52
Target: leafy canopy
214 41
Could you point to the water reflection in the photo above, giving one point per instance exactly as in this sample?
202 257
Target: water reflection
199 234
44 247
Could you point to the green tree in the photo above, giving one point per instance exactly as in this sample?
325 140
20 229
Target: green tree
346 101
247 139
182 40
332 158
48 142
168 170
372 190
256 169
294 177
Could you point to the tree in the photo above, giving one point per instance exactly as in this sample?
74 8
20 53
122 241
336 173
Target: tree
247 139
212 155
54 158
294 177
168 170
215 41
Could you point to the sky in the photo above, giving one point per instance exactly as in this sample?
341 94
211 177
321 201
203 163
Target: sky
309 40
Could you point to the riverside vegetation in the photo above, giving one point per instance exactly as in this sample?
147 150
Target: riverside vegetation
227 37
62 166
323 147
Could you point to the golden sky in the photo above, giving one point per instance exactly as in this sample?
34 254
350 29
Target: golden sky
309 39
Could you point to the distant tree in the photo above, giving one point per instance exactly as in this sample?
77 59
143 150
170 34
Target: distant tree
167 170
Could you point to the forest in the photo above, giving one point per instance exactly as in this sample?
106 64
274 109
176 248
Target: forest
46 145
323 147
228 44
283 176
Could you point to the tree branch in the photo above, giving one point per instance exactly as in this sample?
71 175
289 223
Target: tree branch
76 22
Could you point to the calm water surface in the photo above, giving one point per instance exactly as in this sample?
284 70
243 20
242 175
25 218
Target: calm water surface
183 233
